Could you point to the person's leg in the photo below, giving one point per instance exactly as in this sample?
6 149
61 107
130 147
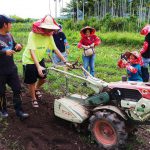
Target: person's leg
86 62
32 88
38 85
55 58
65 55
149 67
92 65
144 69
40 82
30 78
14 83
3 100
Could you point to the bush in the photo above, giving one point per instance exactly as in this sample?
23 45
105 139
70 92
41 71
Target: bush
118 24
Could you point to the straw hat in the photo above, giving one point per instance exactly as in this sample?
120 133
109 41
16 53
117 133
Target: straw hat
138 59
135 53
49 23
87 28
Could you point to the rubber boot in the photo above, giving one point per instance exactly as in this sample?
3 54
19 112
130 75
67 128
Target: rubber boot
3 106
145 74
17 106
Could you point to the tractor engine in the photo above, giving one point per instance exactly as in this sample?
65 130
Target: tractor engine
133 98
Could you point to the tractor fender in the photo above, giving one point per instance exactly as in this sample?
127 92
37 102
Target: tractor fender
112 108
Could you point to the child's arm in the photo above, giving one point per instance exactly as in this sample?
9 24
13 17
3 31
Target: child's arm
131 68
97 41
122 63
66 46
38 66
58 53
144 48
80 45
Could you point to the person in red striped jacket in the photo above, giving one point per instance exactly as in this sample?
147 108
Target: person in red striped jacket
145 52
132 61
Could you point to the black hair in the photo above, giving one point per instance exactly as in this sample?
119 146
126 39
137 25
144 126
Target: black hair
4 19
2 23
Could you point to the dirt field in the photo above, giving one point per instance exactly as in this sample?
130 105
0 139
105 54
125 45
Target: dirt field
43 131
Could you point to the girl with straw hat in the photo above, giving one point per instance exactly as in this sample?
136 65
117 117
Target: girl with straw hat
40 39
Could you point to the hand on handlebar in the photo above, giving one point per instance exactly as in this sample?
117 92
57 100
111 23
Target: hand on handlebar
69 65
40 71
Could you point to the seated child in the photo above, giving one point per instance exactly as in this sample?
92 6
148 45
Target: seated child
132 61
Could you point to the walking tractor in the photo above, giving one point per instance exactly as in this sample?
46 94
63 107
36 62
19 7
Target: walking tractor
113 110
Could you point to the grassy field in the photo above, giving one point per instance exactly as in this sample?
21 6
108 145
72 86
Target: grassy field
107 54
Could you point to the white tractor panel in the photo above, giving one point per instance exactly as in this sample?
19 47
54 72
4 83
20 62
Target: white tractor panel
71 108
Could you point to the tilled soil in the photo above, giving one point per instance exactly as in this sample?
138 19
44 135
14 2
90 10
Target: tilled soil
43 131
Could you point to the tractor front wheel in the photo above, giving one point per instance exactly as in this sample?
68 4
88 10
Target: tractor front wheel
108 130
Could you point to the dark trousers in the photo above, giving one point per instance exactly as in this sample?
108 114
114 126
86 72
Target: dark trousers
145 74
13 81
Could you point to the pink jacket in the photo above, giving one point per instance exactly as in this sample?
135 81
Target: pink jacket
88 40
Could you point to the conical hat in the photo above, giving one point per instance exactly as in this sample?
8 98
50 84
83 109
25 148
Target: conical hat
87 28
49 23
135 53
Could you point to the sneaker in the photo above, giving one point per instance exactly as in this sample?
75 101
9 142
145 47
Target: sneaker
4 114
22 115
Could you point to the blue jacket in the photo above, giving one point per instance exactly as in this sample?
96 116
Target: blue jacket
135 76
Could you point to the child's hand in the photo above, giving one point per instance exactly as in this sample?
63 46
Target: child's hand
85 47
40 71
18 47
10 52
124 61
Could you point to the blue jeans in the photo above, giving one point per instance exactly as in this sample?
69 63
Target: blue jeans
89 61
57 60
145 72
146 62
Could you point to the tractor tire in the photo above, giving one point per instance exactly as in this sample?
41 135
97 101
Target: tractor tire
108 130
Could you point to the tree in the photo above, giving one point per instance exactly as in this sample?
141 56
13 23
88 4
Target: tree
117 8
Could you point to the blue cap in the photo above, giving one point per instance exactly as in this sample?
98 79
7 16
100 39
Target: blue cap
5 19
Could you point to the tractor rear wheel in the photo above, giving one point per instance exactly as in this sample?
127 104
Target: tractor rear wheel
108 130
